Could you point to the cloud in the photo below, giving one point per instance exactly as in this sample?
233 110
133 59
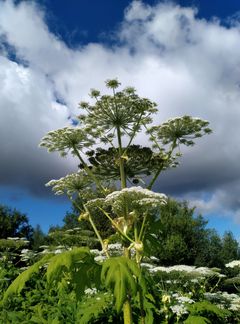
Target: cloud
223 201
186 64
28 111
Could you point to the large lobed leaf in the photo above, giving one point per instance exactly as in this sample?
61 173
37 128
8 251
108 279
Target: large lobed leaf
78 266
120 274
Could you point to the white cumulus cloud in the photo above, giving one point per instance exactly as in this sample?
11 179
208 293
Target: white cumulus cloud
186 64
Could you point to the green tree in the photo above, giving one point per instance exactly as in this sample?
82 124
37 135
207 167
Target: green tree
230 248
114 120
14 224
38 238
70 220
180 234
210 254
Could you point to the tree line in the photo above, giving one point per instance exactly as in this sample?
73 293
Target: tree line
180 237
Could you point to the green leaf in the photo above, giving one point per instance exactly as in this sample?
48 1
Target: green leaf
92 307
120 274
209 310
19 283
78 266
149 308
197 320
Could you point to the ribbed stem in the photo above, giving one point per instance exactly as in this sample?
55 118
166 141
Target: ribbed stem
121 161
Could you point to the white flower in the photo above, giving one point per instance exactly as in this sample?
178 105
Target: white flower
233 264
184 299
90 291
148 266
24 251
100 258
179 310
58 251
115 246
154 258
136 198
45 251
201 271
96 252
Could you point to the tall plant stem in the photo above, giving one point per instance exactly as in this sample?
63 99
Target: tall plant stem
121 161
127 312
127 309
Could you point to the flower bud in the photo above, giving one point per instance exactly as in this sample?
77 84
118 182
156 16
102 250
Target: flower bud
84 216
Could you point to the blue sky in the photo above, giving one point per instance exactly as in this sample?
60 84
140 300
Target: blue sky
52 53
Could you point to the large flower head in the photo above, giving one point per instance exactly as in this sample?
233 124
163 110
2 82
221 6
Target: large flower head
71 184
123 110
180 130
66 139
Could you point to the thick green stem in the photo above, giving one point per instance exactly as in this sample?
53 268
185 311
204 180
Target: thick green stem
135 232
127 309
127 312
140 293
121 161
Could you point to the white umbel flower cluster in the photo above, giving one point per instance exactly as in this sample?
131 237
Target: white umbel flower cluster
233 264
65 139
70 184
136 198
201 271
183 130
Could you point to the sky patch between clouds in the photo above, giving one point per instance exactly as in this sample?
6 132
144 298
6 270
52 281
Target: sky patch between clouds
186 64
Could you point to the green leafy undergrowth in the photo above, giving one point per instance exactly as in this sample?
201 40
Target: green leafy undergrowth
19 283
193 319
210 311
77 267
96 307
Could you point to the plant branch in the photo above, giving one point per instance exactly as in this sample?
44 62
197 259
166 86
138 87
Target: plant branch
116 226
96 231
173 146
89 172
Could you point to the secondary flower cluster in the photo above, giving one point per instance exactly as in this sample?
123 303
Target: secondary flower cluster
233 264
70 184
182 130
65 139
200 271
135 199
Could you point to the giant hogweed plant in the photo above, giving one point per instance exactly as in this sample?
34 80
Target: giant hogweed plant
111 164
